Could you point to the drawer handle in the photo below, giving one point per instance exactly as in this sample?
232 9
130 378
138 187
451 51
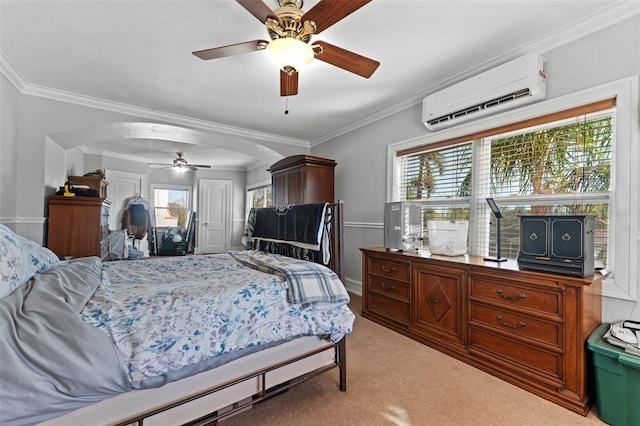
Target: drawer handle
521 324
388 288
385 269
514 298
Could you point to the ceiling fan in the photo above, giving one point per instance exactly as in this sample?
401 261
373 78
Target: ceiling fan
290 30
181 164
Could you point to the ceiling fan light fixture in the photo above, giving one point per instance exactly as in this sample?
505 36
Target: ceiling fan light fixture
290 54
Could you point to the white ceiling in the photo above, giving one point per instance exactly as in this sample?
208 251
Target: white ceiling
138 53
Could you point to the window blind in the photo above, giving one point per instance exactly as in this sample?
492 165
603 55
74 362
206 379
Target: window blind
559 163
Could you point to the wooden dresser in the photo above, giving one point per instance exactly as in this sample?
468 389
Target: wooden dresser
302 179
78 226
528 328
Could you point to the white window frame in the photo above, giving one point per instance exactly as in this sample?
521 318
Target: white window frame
624 236
187 188
248 200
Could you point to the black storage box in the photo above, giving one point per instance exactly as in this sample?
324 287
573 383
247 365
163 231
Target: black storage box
168 241
561 245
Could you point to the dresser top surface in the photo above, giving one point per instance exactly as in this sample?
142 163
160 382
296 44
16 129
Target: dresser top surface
61 199
468 260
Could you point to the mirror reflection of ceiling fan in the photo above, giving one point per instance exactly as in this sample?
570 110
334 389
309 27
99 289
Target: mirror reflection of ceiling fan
181 164
290 30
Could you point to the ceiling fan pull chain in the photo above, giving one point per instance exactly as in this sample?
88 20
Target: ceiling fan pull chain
286 99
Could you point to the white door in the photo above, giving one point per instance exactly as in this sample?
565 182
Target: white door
214 207
122 186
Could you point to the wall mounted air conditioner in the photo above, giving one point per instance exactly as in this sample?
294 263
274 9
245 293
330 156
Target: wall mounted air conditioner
510 85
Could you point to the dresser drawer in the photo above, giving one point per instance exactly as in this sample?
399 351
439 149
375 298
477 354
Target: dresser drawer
104 249
104 232
513 295
517 324
389 269
104 216
545 362
388 307
389 288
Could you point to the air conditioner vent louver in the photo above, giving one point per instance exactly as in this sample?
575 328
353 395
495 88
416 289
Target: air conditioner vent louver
481 107
519 82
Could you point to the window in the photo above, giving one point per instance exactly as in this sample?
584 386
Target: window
555 164
171 205
259 197
622 224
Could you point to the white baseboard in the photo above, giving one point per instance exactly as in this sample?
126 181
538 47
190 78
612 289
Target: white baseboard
353 286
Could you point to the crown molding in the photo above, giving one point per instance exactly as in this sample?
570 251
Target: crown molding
590 24
256 165
88 150
593 23
26 88
11 73
63 96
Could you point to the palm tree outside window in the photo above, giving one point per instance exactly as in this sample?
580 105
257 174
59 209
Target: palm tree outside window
558 165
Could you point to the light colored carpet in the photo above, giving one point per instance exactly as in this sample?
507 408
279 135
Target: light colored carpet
393 380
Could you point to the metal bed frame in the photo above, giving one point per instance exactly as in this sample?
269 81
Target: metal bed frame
264 393
336 218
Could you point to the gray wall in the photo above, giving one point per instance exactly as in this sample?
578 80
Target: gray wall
30 165
9 106
605 56
34 165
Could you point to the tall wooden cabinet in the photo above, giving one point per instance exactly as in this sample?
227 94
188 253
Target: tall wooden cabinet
78 226
528 328
302 179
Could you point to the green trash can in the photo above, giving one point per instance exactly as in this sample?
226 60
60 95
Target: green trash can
617 377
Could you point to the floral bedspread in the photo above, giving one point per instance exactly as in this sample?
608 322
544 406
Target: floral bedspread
172 317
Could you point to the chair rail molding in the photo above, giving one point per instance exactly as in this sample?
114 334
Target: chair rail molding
369 225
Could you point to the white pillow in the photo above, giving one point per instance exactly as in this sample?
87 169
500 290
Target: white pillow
15 264
42 258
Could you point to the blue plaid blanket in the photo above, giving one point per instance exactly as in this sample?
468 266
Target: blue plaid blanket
307 282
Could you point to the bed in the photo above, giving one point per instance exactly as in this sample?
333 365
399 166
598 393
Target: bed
185 340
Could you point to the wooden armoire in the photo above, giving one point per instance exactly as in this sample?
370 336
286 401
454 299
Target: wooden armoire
302 179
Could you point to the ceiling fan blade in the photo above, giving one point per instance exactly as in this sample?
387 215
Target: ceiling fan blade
288 84
259 9
200 166
231 50
328 12
159 164
347 60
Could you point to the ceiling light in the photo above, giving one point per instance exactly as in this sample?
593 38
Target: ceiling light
290 54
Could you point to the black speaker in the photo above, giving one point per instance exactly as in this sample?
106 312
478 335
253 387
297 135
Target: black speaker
533 236
557 244
572 237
